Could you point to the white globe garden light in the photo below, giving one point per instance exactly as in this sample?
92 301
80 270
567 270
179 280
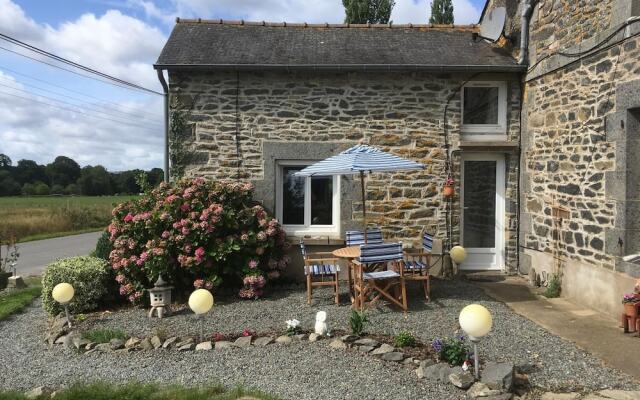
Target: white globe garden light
63 293
458 254
476 321
200 302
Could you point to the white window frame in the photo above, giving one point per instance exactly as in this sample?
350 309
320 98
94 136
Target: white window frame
486 131
307 229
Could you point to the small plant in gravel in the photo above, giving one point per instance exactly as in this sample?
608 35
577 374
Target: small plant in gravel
404 339
554 287
247 332
104 335
219 337
357 322
293 327
454 351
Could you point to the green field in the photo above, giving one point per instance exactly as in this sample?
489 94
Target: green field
30 218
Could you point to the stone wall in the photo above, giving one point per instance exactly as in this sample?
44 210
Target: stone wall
574 145
313 115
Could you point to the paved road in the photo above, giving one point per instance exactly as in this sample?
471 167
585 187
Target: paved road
34 256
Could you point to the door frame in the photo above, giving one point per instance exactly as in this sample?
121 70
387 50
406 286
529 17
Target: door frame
500 218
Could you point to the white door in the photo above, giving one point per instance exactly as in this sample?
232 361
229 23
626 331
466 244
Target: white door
482 216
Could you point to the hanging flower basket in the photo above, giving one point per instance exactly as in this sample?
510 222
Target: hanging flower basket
448 190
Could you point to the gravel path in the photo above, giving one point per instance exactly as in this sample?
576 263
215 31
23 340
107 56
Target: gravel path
301 371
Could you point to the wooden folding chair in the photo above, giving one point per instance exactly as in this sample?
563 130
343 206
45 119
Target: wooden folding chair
378 284
321 269
356 238
416 264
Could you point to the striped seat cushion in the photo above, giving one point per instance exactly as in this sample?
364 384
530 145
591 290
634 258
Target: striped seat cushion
427 242
321 269
356 238
414 265
380 275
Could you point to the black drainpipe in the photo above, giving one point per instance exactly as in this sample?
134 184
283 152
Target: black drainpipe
165 89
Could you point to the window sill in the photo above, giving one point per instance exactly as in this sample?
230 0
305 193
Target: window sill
316 240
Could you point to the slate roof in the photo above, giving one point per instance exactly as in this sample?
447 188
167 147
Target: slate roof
220 44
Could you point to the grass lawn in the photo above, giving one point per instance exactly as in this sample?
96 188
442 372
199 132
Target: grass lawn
12 301
34 218
138 391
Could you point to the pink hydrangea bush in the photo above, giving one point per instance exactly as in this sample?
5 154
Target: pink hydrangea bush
196 234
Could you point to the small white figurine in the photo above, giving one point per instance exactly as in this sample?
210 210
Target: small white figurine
321 325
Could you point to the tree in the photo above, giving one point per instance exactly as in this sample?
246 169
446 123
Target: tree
63 171
28 171
5 161
156 176
41 189
367 11
441 12
94 181
8 186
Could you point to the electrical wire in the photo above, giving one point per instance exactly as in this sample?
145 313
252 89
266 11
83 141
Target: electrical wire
75 110
12 71
123 119
74 64
126 114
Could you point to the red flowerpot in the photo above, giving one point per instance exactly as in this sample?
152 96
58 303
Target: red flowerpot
448 191
631 310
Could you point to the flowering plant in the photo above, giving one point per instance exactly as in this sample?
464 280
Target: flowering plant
196 234
452 350
293 327
247 332
449 181
630 298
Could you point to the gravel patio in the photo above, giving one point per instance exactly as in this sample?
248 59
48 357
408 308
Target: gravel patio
301 371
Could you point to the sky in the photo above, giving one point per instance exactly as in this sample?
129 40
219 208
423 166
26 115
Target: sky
46 111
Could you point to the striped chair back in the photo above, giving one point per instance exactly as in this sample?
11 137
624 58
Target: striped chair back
380 253
356 238
303 250
427 242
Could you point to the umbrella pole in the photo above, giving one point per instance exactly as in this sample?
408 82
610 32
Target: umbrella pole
364 208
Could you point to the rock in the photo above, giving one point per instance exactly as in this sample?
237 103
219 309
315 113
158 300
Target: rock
501 396
204 346
132 343
383 349
169 342
16 282
116 344
243 341
70 339
349 338
365 349
338 344
146 344
104 347
427 363
620 394
223 344
79 342
185 346
284 339
60 340
479 389
462 381
367 342
156 342
301 336
498 376
35 393
263 341
89 346
560 396
419 372
394 356
313 337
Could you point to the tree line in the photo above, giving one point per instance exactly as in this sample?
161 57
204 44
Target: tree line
379 11
64 176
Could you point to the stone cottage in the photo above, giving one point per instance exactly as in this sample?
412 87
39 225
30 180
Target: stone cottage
537 129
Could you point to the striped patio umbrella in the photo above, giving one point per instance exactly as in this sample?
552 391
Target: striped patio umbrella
358 160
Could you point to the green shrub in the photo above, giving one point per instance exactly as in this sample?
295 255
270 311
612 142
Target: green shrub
554 287
404 339
90 277
104 335
357 321
103 246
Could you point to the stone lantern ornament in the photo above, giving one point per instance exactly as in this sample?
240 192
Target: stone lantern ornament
160 298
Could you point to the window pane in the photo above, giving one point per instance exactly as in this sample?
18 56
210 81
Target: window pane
480 105
479 204
292 197
321 200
